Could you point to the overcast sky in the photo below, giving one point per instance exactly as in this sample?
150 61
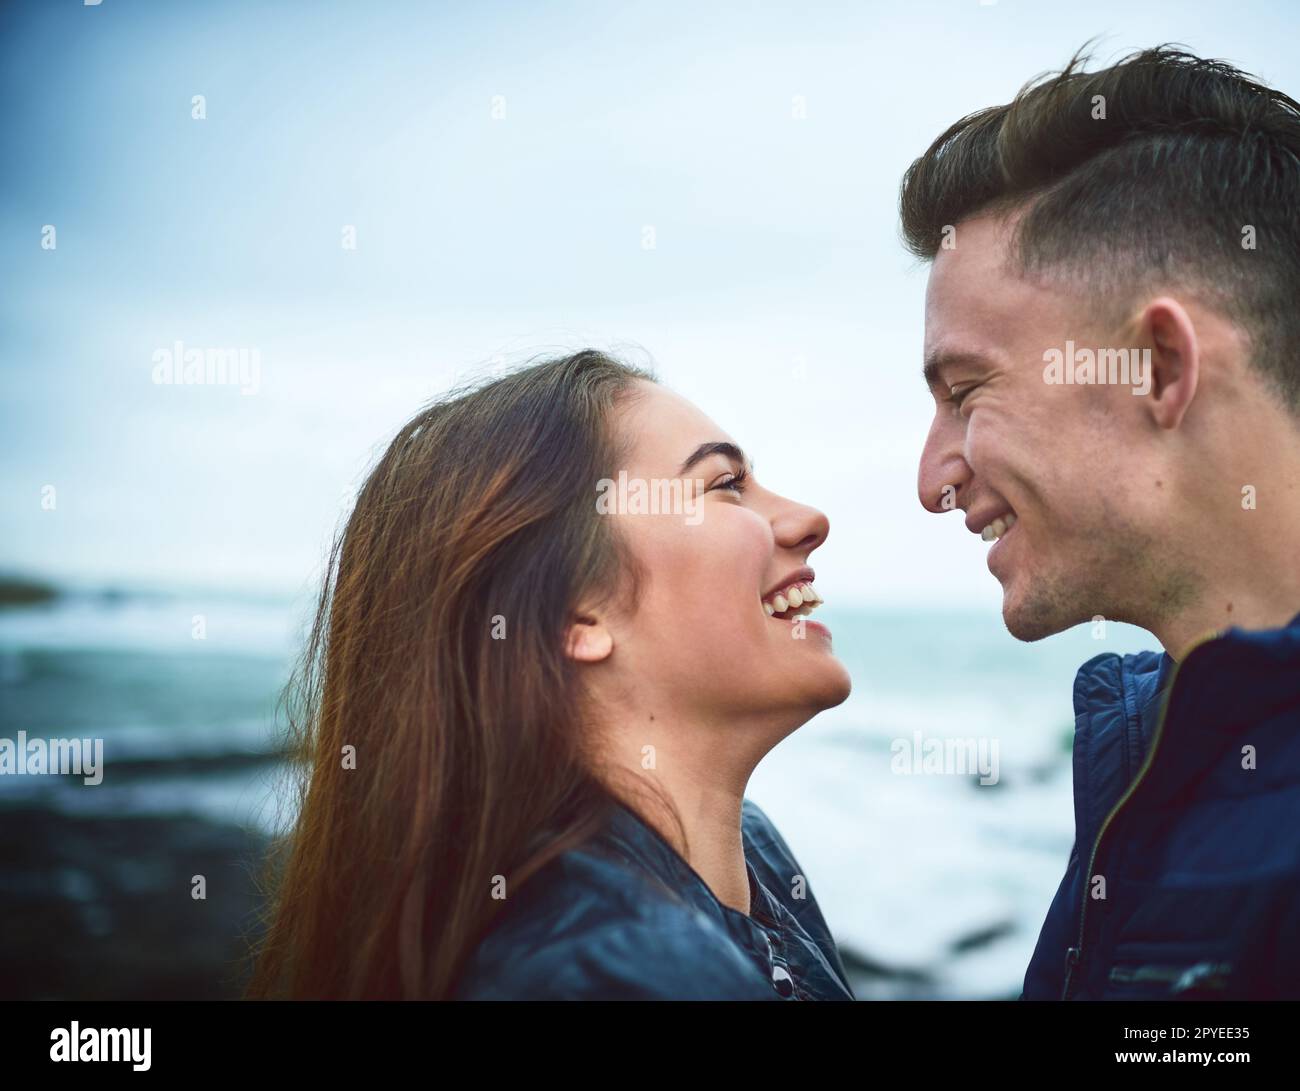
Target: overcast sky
776 296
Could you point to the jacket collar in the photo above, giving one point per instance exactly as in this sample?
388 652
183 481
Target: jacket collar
1119 702
642 844
1116 706
1224 688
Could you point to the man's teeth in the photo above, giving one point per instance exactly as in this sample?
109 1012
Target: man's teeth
998 527
797 600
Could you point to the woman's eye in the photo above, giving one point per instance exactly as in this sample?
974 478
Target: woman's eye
731 483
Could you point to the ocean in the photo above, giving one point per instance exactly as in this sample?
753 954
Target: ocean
931 812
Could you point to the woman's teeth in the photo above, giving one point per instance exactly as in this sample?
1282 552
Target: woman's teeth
999 527
797 600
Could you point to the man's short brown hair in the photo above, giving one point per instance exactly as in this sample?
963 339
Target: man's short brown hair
1165 170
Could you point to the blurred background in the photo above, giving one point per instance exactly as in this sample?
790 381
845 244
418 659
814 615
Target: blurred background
377 202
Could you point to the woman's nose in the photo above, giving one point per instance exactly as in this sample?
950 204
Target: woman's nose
800 527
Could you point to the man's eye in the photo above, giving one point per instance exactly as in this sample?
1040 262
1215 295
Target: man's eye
957 394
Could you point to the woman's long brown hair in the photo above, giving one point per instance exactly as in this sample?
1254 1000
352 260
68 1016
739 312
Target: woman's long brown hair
435 721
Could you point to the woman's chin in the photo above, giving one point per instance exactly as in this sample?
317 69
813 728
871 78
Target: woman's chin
814 671
819 685
838 687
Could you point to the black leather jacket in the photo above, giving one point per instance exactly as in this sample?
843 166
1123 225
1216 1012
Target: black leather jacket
625 917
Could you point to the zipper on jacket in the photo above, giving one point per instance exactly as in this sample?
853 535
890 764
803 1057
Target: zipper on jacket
1071 960
1074 956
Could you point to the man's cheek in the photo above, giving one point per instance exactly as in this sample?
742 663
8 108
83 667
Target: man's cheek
987 432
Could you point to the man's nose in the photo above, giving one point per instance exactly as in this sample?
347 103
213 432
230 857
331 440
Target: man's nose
943 472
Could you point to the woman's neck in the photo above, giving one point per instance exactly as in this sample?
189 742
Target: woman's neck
704 772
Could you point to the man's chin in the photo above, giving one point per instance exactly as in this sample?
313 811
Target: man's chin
1031 620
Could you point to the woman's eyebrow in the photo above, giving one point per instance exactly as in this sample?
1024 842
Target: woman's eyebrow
704 450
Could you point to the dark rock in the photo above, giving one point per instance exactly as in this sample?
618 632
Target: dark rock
101 908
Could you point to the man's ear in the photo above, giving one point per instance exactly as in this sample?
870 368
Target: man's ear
588 639
1175 360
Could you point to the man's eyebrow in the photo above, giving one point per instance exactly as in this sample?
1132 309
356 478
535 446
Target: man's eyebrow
936 361
704 450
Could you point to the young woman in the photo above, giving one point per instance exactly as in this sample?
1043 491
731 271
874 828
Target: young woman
560 629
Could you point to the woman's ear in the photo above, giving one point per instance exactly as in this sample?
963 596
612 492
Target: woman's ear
589 639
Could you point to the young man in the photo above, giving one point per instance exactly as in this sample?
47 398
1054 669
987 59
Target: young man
1112 340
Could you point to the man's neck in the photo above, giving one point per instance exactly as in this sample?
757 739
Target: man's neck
1252 583
1186 631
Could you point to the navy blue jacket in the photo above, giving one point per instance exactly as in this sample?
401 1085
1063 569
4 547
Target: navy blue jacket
1184 879
625 917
